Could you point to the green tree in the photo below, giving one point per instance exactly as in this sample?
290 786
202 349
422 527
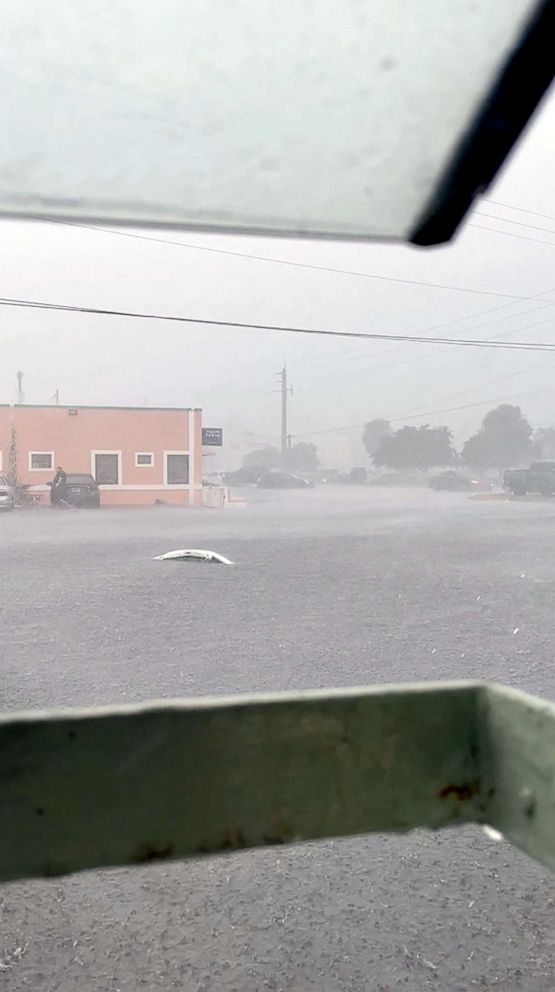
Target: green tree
373 434
417 448
504 440
263 458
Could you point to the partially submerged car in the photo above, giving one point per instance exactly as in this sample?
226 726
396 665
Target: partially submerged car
247 475
453 481
283 480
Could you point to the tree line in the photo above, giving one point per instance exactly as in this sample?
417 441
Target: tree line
505 439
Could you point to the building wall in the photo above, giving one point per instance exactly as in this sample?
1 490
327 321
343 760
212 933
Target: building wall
4 438
73 434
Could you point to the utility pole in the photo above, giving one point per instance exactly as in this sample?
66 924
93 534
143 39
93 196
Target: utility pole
20 396
285 390
57 397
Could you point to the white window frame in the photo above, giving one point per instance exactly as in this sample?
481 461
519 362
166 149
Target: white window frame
30 461
176 485
105 451
141 454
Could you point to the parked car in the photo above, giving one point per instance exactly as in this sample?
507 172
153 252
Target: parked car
7 494
539 478
247 475
453 481
283 480
82 491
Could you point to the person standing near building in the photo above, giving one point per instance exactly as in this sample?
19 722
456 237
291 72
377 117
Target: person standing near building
58 486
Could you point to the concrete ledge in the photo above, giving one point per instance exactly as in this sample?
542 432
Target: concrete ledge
87 789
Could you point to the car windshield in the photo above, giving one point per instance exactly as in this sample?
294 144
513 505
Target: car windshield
377 429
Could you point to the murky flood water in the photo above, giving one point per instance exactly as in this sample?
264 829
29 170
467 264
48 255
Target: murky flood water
331 587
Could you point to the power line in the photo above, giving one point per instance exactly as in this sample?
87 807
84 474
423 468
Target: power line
511 206
386 351
457 320
471 406
519 223
365 370
238 382
374 336
500 306
511 234
427 413
289 262
463 392
484 385
243 325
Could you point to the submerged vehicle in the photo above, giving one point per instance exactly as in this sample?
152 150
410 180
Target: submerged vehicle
283 480
247 475
453 481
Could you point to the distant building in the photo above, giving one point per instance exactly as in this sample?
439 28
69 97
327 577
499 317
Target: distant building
138 455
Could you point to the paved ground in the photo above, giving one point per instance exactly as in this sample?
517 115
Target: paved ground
331 588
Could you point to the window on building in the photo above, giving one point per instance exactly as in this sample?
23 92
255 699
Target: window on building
144 459
177 469
40 461
106 468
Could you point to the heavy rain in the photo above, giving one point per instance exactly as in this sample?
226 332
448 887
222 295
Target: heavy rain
388 507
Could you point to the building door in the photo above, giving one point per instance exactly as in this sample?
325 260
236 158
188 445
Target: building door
106 468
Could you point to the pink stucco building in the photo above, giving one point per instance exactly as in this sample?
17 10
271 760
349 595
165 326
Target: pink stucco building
137 455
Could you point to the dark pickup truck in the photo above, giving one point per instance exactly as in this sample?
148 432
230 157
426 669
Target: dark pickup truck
539 479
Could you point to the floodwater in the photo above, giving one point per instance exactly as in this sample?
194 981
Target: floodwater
331 587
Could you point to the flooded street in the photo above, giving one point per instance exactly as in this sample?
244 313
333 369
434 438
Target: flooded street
300 254
331 587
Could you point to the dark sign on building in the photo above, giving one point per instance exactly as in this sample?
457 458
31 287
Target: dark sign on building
212 437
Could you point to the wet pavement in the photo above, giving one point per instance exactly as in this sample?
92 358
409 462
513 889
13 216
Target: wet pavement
330 588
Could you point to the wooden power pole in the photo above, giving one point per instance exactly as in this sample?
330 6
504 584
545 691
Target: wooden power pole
285 437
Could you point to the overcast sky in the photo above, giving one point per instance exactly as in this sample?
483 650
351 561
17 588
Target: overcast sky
232 374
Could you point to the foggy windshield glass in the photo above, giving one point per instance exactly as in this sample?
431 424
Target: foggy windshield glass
362 512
